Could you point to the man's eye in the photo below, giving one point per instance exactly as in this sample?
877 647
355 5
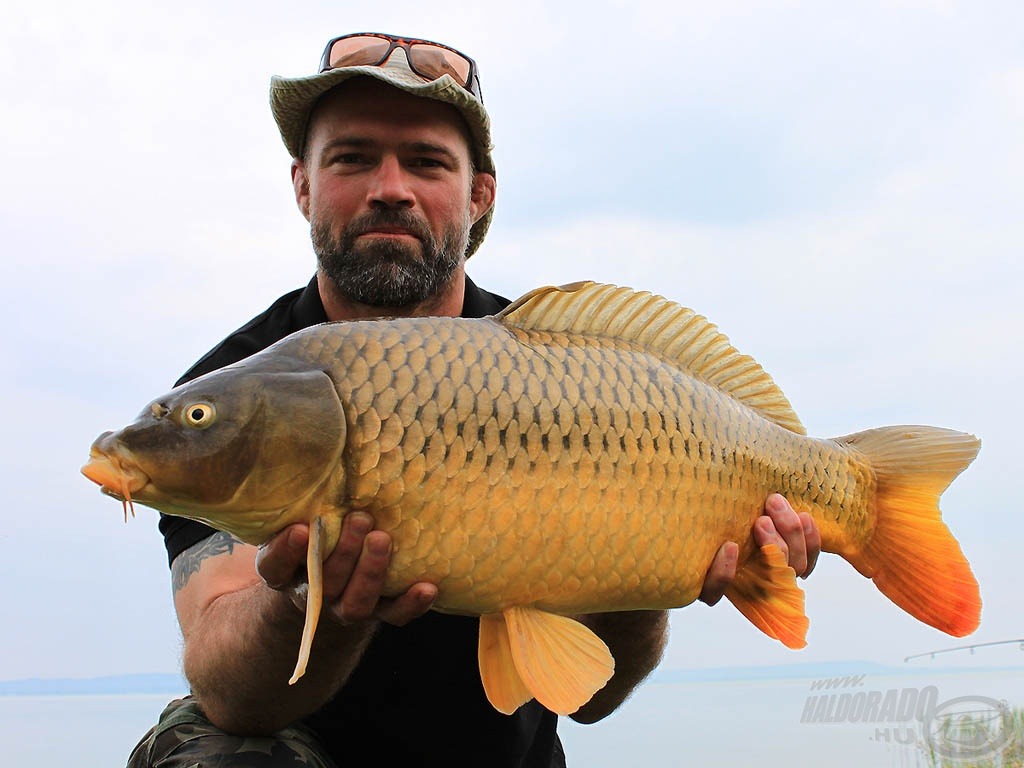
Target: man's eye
349 158
427 162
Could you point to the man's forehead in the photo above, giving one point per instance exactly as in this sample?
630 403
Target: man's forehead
364 99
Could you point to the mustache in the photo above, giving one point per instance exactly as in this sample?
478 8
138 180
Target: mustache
390 217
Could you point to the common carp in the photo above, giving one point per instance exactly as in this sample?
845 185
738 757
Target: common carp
588 449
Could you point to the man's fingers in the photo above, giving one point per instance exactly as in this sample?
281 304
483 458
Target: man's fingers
408 606
812 536
765 533
362 592
279 561
788 532
721 573
341 563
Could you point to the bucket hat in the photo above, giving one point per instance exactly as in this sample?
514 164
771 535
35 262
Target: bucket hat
292 101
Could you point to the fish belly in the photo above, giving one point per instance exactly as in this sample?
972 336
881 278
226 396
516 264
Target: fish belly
567 472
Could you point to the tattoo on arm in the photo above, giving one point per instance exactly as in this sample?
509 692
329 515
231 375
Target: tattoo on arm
189 561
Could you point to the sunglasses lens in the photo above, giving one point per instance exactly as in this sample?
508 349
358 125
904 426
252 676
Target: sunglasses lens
431 62
357 51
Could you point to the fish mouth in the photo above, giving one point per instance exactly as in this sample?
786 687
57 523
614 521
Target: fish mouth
117 476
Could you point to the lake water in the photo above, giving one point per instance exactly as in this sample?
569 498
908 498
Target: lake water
80 731
771 723
736 723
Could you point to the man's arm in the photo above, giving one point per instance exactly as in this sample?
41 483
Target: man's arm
242 625
637 639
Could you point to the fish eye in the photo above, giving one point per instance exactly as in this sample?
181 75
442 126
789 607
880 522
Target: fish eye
199 415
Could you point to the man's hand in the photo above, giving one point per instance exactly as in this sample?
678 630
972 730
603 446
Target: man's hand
248 603
353 574
795 534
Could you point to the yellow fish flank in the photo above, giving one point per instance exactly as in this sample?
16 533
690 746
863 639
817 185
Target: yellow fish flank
587 450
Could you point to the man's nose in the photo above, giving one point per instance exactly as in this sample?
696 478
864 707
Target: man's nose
390 185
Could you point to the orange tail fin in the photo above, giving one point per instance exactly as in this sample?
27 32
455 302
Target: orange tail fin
912 557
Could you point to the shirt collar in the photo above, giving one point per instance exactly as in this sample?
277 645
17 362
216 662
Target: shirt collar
309 309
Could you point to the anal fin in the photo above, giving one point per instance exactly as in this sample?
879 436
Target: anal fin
766 592
558 661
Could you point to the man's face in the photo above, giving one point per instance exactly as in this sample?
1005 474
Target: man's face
388 188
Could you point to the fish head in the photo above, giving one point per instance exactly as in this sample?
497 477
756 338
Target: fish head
235 449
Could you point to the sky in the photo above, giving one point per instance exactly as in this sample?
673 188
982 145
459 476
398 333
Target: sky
836 185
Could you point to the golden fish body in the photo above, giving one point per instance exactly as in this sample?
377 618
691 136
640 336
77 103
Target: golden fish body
589 449
569 473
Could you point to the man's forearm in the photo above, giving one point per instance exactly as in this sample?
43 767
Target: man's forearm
240 654
636 640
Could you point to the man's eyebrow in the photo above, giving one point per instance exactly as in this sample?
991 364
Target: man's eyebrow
353 142
426 147
366 142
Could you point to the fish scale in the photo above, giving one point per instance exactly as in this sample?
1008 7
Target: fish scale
589 449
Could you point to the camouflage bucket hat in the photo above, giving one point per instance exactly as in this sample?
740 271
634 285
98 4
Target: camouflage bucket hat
292 100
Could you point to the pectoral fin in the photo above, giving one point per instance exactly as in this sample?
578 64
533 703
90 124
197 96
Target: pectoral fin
765 591
323 535
556 660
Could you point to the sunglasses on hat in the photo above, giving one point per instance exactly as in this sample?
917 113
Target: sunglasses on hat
427 59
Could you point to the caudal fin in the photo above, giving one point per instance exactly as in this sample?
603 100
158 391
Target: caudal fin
912 557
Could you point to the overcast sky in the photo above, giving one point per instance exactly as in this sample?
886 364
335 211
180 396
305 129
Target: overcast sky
837 185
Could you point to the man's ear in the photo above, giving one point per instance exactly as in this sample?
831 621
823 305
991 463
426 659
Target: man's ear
481 195
300 183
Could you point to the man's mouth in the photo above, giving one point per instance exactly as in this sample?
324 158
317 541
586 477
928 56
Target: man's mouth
388 232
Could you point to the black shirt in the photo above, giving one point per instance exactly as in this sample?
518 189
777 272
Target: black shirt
416 698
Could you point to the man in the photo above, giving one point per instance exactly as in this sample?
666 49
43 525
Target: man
392 168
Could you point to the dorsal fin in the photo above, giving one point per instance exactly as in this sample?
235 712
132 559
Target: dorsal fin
661 326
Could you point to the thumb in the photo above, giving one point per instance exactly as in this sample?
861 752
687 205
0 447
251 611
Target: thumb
279 562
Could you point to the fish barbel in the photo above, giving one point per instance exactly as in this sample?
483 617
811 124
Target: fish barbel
588 449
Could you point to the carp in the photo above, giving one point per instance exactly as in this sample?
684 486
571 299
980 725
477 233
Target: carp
588 449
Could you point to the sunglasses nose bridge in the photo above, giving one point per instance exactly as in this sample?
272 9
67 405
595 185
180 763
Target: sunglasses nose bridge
397 47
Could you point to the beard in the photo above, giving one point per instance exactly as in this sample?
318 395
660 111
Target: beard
387 272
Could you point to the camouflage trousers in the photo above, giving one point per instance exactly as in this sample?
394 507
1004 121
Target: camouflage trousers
184 738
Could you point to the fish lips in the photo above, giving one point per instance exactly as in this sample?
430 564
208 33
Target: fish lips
114 470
